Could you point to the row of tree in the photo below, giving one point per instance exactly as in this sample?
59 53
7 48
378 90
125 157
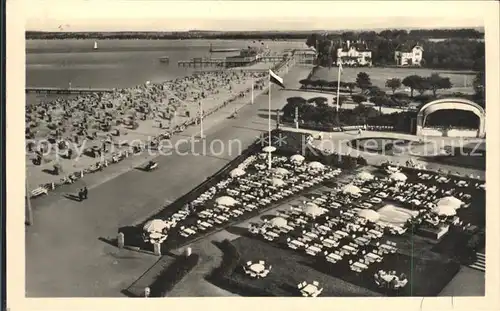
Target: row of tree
380 98
419 34
363 81
447 54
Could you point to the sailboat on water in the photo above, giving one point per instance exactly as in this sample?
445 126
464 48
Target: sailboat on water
95 45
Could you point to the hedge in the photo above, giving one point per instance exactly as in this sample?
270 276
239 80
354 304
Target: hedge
173 274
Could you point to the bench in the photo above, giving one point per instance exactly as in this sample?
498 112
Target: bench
39 191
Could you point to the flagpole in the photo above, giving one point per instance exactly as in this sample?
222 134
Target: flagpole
201 119
252 90
269 119
338 88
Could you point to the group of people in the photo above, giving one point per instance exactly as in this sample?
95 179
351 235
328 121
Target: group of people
80 117
83 193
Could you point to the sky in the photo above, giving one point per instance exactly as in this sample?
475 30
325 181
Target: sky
158 15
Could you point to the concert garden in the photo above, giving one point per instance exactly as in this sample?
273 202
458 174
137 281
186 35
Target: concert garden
330 225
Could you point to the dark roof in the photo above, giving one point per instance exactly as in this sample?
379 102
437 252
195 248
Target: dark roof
359 46
406 48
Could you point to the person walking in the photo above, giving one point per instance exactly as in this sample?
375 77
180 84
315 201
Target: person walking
80 194
85 193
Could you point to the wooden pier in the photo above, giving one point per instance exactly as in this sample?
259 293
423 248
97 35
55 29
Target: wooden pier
66 91
227 63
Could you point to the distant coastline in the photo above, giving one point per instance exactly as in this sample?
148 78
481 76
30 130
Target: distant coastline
469 33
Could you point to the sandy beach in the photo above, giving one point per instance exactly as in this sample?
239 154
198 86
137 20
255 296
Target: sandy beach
68 137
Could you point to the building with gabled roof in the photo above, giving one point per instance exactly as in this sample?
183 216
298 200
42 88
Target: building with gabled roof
409 55
354 54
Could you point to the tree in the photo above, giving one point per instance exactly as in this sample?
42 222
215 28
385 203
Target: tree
412 82
358 98
479 83
313 83
363 81
351 86
393 84
436 82
333 84
305 83
322 83
423 85
379 100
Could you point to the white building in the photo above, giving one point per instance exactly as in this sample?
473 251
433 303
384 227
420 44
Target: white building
354 54
409 57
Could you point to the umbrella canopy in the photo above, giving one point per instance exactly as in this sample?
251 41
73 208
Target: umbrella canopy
155 225
445 210
351 189
269 149
451 201
297 158
365 176
369 214
237 172
313 210
316 165
392 168
278 222
226 201
281 171
277 182
398 176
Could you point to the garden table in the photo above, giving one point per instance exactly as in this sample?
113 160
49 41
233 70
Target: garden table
334 256
310 290
360 265
258 268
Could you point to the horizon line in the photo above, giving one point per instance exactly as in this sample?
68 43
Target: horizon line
478 28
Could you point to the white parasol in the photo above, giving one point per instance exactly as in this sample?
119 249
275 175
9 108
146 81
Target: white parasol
277 182
281 171
155 225
297 158
269 149
237 172
316 165
445 210
450 201
313 210
365 176
278 222
351 189
226 201
398 176
369 214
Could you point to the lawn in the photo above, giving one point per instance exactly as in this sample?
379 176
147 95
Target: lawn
379 144
427 276
288 269
379 75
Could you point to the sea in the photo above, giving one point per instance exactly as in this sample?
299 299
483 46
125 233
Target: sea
121 63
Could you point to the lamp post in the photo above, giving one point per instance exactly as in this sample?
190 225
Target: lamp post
29 210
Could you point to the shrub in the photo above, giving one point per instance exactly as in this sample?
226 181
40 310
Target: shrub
230 260
173 274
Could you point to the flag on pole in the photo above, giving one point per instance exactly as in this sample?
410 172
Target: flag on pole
274 78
